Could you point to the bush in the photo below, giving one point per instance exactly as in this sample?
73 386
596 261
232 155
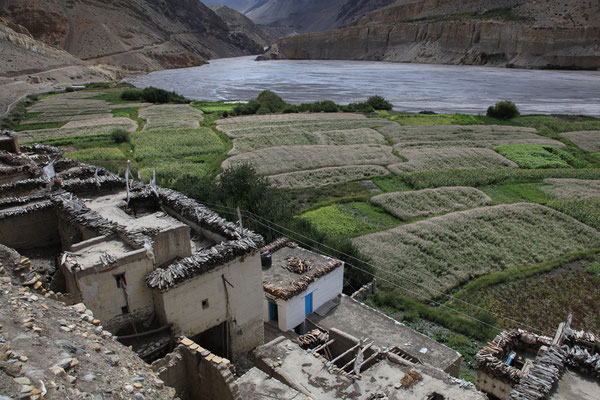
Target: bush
33 97
329 106
69 89
97 85
269 97
379 103
358 107
131 95
503 110
290 109
225 114
120 135
156 95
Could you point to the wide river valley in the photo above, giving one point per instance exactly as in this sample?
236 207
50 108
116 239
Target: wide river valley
410 87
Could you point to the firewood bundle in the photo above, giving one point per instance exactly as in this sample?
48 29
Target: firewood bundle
297 265
279 244
313 338
540 379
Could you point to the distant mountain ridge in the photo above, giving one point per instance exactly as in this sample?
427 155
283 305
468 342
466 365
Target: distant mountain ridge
303 15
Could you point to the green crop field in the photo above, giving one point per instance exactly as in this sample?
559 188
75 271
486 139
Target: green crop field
428 202
167 144
444 252
349 219
534 156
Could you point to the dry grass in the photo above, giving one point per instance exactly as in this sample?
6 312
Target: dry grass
286 128
572 188
486 136
171 116
428 202
62 118
261 119
443 252
450 158
69 104
586 140
118 122
277 160
326 176
347 137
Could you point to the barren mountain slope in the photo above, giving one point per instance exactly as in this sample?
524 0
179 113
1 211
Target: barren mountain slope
239 23
137 34
526 33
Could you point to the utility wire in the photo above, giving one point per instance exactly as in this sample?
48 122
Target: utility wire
450 297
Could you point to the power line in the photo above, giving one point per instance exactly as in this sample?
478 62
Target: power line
450 297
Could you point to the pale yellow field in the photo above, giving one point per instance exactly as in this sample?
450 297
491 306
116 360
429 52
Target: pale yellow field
326 176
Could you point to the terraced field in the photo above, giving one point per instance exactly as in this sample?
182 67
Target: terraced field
572 188
426 159
171 116
428 202
443 252
320 177
586 140
486 136
277 160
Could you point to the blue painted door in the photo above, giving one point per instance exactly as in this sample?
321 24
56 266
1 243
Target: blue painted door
308 304
273 315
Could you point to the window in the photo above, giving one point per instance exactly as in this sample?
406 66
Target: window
204 304
120 279
125 310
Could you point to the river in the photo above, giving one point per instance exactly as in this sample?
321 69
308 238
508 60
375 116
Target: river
410 87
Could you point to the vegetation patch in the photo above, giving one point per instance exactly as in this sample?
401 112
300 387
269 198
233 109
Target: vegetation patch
586 140
449 158
534 156
549 289
278 160
441 253
486 136
572 188
343 137
42 134
516 193
586 211
164 144
96 154
349 219
307 125
40 125
326 176
428 202
171 116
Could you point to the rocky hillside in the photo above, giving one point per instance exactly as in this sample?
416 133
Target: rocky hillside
523 33
139 35
51 351
238 23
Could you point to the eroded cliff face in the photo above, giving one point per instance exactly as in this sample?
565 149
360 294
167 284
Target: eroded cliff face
413 32
138 35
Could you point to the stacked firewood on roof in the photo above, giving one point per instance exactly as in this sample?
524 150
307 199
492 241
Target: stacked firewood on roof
297 265
279 244
297 287
313 339
490 358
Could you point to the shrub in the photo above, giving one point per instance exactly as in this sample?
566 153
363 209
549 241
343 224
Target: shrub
97 85
358 107
503 110
269 97
69 89
329 106
156 95
131 95
225 114
262 110
290 109
33 97
120 135
379 103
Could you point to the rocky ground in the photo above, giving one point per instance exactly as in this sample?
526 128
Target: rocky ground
51 351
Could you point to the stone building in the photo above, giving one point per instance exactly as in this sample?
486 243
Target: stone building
519 365
143 259
296 282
